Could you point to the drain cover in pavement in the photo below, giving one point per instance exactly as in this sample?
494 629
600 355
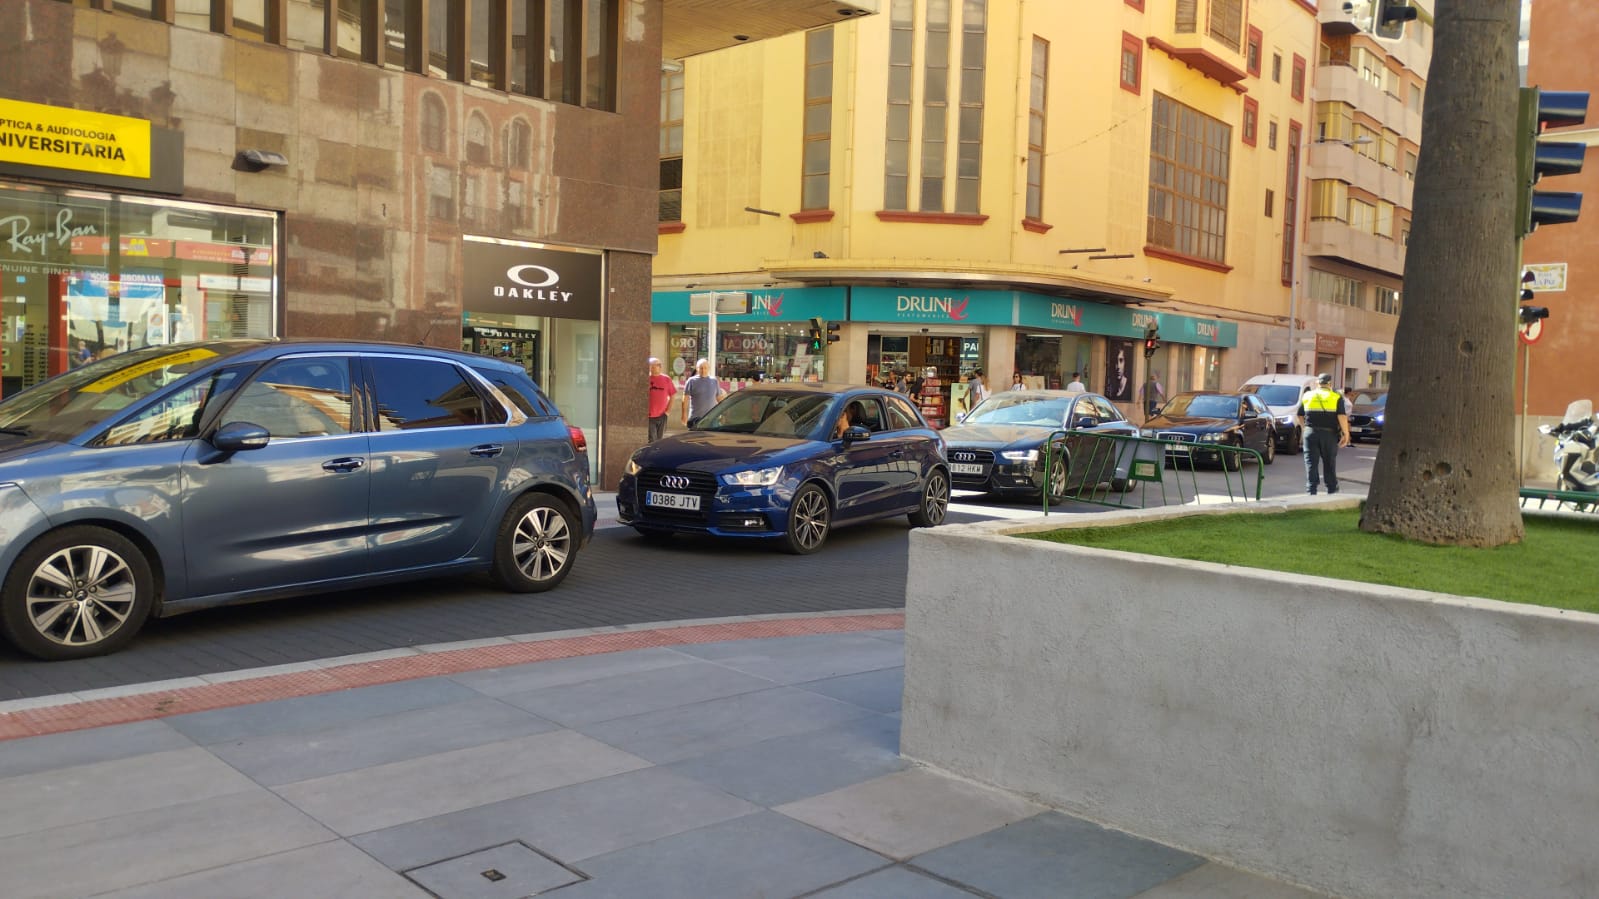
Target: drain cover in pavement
510 871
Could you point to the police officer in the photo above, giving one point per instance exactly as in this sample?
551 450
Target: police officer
1325 418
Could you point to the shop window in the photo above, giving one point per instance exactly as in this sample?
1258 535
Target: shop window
816 164
1188 174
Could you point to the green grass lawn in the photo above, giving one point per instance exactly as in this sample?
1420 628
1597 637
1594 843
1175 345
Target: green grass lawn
1557 565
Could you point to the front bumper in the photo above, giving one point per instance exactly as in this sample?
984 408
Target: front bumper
1002 477
754 512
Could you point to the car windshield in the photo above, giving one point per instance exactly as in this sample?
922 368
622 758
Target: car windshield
1275 394
1202 405
1371 399
1029 411
69 404
771 413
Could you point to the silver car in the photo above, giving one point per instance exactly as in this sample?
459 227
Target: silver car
175 478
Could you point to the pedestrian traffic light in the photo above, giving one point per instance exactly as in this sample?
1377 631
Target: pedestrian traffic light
818 335
1536 158
1391 16
1527 280
832 332
1151 340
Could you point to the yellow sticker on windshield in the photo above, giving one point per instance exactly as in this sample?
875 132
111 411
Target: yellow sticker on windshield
146 367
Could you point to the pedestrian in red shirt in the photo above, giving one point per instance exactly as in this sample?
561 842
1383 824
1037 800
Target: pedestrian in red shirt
661 392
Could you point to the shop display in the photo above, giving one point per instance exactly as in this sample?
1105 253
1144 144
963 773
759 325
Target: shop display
934 398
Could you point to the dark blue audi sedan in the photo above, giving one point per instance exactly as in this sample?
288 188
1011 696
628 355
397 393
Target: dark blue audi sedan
789 462
174 478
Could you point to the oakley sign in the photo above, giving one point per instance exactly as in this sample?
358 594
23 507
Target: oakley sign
527 280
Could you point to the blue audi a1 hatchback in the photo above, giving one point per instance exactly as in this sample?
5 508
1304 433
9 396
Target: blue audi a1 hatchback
179 477
788 462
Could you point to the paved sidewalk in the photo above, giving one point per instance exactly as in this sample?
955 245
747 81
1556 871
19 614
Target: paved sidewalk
697 766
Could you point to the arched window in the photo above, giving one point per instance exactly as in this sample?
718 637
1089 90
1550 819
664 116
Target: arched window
477 138
518 144
432 123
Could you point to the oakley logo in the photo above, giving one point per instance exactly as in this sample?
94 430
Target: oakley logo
675 481
965 457
515 273
529 282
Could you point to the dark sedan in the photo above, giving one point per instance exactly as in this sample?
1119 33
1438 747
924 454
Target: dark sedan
1207 419
789 462
1367 412
175 478
998 447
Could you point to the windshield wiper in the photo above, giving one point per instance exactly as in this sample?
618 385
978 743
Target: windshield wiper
19 432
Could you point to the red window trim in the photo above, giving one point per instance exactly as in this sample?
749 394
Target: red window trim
1298 74
1036 226
1258 38
812 215
1172 256
931 218
670 227
1251 105
1136 4
1131 42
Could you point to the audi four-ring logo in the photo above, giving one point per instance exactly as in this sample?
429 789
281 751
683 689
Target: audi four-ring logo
965 457
675 481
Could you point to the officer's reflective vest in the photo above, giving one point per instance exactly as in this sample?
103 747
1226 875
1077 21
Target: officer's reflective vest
1321 401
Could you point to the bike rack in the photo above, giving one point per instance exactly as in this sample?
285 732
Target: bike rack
1146 460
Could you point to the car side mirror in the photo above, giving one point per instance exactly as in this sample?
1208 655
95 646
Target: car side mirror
236 436
855 433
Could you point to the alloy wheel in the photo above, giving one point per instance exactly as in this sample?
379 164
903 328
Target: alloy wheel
80 595
542 543
935 501
810 519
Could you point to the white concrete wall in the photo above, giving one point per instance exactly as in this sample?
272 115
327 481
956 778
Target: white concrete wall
1365 741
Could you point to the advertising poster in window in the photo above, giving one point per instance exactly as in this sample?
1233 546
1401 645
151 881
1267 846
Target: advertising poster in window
1119 370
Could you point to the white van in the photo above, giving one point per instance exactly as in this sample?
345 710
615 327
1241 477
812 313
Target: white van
1282 393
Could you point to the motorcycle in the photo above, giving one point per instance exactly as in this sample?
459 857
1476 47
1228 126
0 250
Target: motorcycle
1576 448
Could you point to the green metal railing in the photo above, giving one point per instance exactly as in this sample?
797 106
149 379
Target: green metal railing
1110 468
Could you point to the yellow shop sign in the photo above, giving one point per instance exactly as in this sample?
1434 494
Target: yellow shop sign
61 138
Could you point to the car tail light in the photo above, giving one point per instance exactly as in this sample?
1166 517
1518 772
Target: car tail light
579 442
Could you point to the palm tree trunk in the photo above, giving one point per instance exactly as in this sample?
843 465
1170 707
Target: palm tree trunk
1446 472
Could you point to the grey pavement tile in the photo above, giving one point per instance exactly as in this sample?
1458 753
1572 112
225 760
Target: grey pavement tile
522 873
84 747
890 636
334 869
1217 881
910 812
880 691
1053 855
785 769
395 793
764 855
151 846
793 660
893 883
308 713
65 796
286 758
635 693
570 823
671 735
537 675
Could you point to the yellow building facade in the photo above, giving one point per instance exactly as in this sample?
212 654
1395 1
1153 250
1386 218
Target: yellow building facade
1016 186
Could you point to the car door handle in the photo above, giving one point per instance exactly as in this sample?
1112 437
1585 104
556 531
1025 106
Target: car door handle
487 450
896 454
348 463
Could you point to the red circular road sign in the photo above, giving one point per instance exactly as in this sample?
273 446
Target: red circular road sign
1529 332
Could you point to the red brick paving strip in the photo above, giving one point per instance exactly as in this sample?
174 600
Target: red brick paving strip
182 701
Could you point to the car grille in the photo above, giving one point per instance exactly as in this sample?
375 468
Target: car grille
1360 420
1180 436
698 483
958 456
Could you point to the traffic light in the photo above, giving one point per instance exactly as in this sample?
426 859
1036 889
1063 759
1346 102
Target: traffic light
1535 158
832 332
1391 16
1527 280
818 335
1151 340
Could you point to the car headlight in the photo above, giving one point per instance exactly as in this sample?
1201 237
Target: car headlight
1286 419
1213 438
633 467
759 477
1147 432
1020 455
1377 418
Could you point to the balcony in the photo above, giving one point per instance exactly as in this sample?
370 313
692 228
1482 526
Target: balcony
1334 20
691 27
1339 161
1207 37
1339 241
